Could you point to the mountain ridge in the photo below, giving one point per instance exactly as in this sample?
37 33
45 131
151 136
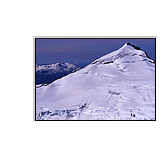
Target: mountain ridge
46 74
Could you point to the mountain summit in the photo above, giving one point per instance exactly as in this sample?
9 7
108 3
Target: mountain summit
117 86
127 50
137 48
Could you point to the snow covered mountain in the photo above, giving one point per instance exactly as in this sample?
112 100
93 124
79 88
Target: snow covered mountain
116 86
48 73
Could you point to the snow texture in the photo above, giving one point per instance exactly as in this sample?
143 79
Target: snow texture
116 86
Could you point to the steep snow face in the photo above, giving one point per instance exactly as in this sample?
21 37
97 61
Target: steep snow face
48 73
117 86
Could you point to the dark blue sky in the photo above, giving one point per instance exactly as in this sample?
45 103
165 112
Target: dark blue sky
84 50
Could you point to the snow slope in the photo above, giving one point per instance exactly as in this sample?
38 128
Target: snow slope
117 86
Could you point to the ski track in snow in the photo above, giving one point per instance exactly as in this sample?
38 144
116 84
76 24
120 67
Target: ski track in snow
117 86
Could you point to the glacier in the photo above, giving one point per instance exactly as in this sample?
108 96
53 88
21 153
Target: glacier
117 86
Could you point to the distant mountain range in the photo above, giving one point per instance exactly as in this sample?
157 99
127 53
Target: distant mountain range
47 73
